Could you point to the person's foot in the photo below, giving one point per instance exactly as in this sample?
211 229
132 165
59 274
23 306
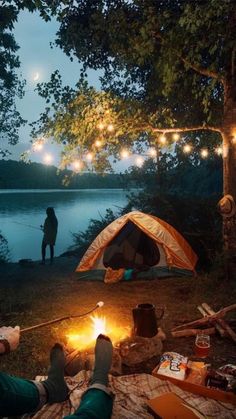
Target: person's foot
103 360
55 384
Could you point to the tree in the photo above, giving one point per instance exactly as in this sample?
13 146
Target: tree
173 60
10 85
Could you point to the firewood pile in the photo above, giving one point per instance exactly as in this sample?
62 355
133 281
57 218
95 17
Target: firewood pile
212 322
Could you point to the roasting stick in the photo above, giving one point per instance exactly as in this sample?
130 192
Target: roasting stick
60 319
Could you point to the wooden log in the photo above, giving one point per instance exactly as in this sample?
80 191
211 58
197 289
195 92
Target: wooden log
192 332
210 318
208 310
222 323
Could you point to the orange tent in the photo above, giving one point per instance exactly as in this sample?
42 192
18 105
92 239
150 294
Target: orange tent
136 240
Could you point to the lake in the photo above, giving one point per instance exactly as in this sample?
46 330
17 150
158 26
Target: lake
74 209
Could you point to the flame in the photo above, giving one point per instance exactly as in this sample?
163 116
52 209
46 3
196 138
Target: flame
98 325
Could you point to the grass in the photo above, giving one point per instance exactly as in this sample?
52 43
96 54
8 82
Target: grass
31 295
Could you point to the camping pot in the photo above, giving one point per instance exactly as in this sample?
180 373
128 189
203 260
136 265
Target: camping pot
145 320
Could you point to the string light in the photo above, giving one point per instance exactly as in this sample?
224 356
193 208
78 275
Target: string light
110 128
89 156
38 145
187 148
176 136
204 153
139 161
162 139
98 143
234 139
219 151
76 165
47 158
152 152
124 154
101 126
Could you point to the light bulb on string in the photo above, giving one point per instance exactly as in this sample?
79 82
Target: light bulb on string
152 152
101 126
162 139
204 153
187 148
98 143
47 158
176 136
110 128
124 154
219 151
234 139
76 165
37 145
89 156
139 161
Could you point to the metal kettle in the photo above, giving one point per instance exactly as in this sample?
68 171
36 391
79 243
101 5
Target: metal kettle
145 320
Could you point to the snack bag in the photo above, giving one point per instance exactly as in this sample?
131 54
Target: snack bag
197 372
173 365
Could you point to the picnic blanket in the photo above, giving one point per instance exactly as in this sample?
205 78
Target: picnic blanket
131 393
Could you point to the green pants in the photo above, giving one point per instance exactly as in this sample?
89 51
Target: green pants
95 404
17 396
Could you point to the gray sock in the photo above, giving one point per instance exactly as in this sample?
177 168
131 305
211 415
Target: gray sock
103 360
55 384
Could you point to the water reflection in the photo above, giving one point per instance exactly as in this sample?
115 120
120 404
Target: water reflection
74 209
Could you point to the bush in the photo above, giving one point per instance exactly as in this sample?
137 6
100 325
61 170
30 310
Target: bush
4 250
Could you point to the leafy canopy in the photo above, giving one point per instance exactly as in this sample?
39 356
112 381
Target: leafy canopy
165 66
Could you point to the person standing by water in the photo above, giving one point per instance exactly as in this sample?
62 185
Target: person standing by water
50 234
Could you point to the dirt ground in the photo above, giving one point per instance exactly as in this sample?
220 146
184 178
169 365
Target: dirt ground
34 293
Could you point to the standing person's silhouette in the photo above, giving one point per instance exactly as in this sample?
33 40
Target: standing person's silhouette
50 233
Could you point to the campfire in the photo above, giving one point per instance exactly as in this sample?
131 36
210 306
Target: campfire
85 338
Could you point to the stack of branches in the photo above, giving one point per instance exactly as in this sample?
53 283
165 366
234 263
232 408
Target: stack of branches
210 323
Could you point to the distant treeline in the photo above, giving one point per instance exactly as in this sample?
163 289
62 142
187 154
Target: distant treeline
21 175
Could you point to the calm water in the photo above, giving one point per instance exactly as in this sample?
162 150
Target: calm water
74 209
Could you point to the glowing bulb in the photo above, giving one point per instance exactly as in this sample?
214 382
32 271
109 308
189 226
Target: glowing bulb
204 153
36 77
76 165
89 157
47 158
124 154
187 148
219 151
152 152
234 139
101 126
110 128
98 143
176 136
139 161
37 146
162 139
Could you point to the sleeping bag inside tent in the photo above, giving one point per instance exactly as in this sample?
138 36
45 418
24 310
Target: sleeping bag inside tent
138 242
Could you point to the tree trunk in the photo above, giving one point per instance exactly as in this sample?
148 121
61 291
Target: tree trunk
229 168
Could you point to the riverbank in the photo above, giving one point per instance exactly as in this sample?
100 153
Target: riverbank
35 293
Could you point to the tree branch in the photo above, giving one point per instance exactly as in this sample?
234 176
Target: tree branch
187 129
196 68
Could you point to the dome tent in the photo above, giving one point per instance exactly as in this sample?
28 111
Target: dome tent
138 241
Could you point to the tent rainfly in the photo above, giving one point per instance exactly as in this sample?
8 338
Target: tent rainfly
138 241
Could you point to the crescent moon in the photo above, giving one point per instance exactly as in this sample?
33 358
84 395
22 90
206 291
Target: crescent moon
36 77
